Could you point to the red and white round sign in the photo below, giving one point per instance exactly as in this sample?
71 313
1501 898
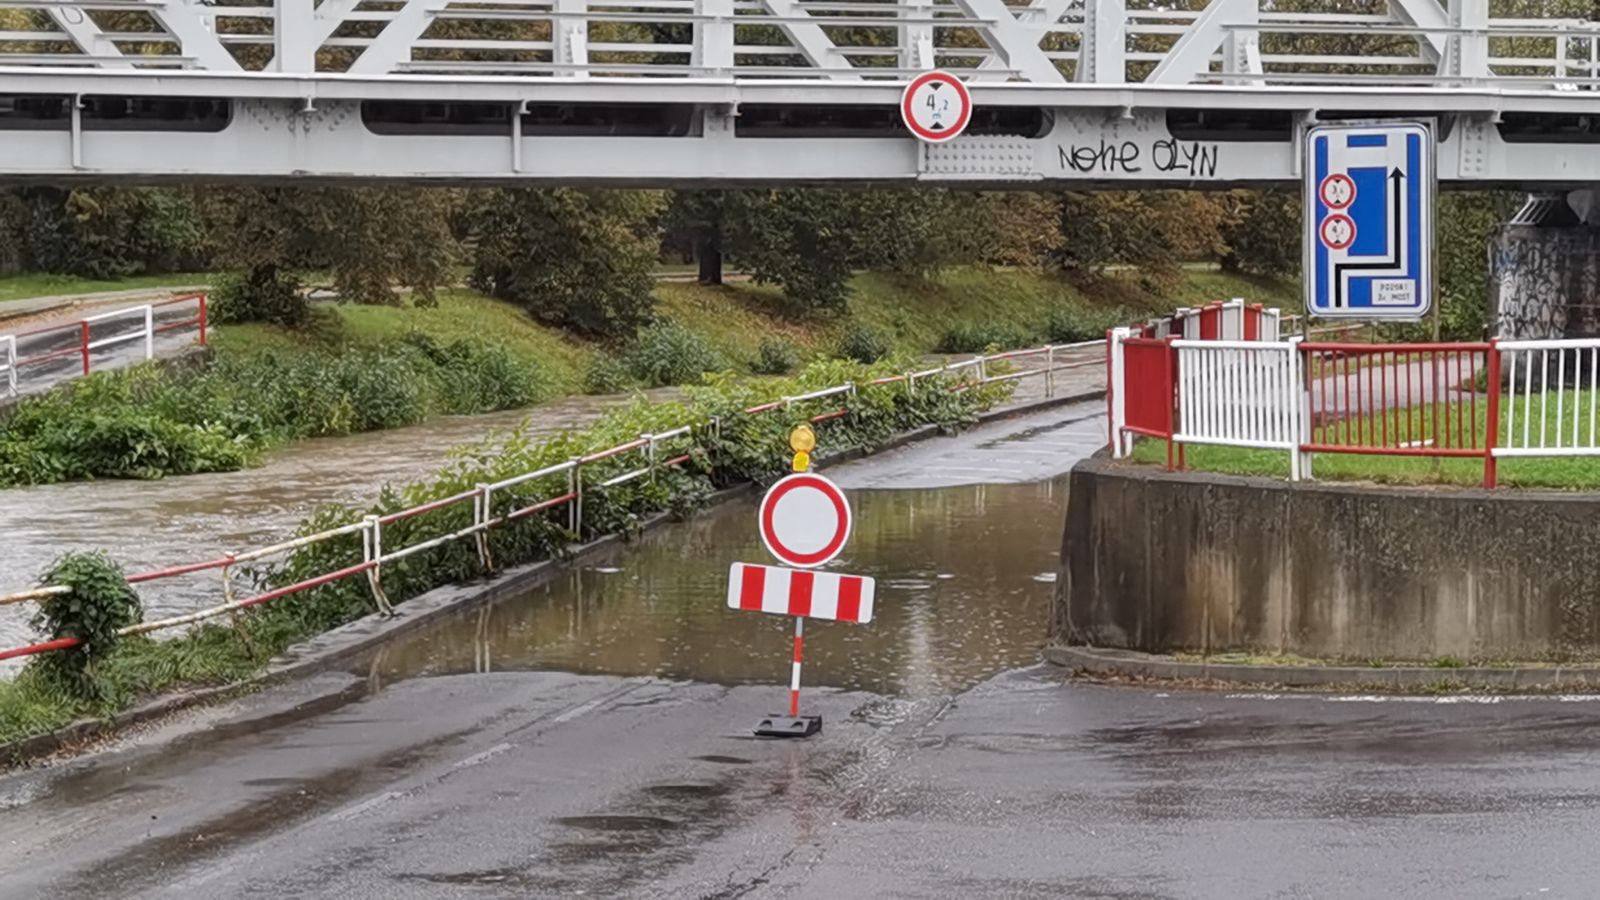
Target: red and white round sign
936 107
804 520
1337 231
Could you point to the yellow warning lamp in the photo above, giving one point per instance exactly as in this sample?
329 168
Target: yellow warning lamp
802 440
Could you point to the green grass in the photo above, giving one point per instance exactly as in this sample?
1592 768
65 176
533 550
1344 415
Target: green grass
916 313
461 315
22 287
1556 473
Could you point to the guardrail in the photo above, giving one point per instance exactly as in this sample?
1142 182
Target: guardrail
78 338
564 483
1476 400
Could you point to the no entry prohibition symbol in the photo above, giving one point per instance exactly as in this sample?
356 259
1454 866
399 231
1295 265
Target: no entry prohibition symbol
936 107
805 520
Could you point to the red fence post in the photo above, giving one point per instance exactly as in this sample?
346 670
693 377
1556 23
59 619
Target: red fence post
1491 428
202 319
1169 389
83 344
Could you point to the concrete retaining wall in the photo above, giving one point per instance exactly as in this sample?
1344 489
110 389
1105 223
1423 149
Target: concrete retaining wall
1161 562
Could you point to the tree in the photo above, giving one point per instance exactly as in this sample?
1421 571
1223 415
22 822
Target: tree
1153 231
1263 237
371 240
576 259
800 240
701 218
106 232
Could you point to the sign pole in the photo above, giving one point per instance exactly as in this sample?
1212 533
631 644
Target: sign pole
794 680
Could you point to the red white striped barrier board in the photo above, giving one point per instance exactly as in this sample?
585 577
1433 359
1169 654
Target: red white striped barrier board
800 592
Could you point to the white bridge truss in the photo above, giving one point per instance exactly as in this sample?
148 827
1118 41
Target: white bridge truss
1089 92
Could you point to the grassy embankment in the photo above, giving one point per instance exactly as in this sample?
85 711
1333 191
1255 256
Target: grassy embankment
23 287
364 368
915 316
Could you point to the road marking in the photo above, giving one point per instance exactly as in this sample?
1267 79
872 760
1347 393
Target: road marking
577 711
483 757
1452 699
364 806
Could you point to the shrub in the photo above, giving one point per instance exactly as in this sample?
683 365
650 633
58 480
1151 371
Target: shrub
607 375
1071 325
775 357
146 421
100 604
264 294
863 344
668 353
977 337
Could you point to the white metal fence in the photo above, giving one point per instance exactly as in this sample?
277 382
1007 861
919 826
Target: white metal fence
1242 394
50 349
8 342
1488 400
1550 398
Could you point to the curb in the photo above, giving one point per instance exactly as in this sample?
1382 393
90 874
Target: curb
330 648
1106 662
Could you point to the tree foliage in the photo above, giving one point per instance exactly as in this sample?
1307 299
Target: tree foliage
372 241
106 232
576 259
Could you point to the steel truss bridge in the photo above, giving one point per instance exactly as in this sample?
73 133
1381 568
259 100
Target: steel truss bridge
1067 92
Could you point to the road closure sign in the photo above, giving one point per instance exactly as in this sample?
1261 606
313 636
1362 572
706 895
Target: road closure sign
804 520
936 107
1368 199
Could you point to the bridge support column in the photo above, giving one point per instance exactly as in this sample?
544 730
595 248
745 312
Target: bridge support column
1544 269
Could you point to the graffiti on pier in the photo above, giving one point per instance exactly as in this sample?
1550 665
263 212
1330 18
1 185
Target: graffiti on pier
1543 281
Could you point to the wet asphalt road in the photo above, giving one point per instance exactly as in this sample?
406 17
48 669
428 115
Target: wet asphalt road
549 784
554 784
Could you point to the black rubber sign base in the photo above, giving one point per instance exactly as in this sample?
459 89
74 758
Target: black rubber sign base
789 726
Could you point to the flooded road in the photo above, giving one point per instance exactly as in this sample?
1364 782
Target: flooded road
593 739
965 576
151 524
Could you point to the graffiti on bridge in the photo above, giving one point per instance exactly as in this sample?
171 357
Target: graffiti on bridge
1167 156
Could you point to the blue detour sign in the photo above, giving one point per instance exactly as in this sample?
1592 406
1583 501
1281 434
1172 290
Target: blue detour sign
1369 221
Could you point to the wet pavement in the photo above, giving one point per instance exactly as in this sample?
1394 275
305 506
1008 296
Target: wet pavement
51 337
592 739
549 784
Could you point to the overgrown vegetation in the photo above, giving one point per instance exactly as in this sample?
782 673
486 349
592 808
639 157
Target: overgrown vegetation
742 448
152 420
99 604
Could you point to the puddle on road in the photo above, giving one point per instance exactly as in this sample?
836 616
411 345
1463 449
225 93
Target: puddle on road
959 598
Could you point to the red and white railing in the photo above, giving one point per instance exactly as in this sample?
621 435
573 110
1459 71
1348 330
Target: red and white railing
1476 400
1225 320
562 485
83 338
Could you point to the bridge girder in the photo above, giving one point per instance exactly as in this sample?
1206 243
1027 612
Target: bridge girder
1076 92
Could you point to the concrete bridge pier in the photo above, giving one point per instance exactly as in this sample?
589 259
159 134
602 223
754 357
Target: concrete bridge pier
1544 269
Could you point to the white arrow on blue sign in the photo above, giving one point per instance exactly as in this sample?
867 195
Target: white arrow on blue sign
1369 221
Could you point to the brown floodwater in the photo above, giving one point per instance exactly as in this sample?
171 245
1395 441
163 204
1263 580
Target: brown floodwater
965 578
152 524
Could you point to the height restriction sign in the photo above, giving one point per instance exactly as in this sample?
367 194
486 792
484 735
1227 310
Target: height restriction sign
936 107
